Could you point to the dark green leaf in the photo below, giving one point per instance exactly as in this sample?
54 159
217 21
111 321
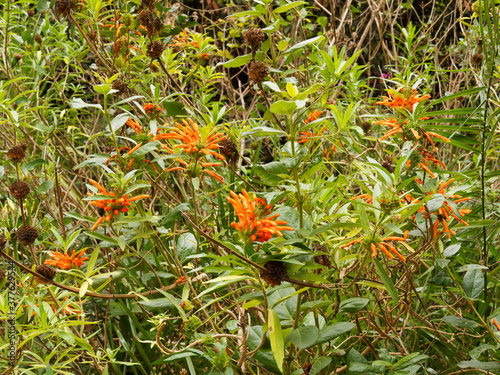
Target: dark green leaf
270 172
319 364
459 322
353 305
330 332
473 283
479 365
387 281
303 337
45 187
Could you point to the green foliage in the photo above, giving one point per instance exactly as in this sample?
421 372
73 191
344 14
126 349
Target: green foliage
271 186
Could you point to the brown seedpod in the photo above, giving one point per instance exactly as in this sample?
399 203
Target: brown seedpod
121 86
64 7
27 234
146 18
155 49
17 153
19 189
258 71
229 150
275 273
46 271
254 37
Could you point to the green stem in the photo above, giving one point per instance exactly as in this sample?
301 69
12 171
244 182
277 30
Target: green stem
296 176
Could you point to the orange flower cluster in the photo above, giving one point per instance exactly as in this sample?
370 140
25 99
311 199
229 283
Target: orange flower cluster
397 127
306 136
399 101
253 223
66 262
151 109
182 39
314 115
135 126
196 147
192 144
112 206
446 212
382 244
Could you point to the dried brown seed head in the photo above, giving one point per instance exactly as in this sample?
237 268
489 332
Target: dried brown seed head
30 13
258 71
64 7
229 150
19 189
17 153
254 37
38 38
27 234
121 86
146 18
46 271
18 56
155 49
156 26
275 273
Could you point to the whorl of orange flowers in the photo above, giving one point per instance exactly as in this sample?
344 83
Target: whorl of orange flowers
253 223
66 262
382 244
446 212
402 102
182 39
113 206
191 140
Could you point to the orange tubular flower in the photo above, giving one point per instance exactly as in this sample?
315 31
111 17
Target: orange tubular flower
367 197
382 244
394 124
137 128
113 206
64 261
253 223
446 212
314 115
192 143
305 136
196 147
401 102
182 39
496 324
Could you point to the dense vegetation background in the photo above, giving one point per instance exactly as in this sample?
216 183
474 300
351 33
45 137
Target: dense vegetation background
249 187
